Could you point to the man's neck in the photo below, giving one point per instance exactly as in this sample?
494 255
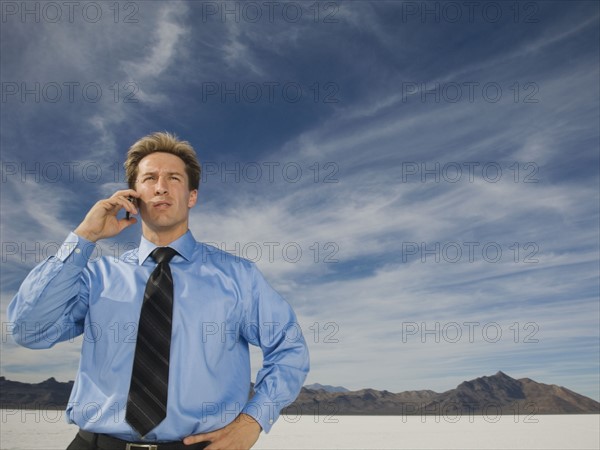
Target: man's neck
163 238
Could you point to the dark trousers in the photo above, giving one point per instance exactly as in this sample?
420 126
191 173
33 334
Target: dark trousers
92 441
80 444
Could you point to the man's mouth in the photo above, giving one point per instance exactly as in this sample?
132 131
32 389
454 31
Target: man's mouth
161 205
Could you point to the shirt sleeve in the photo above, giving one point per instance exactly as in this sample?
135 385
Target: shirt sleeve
276 331
51 303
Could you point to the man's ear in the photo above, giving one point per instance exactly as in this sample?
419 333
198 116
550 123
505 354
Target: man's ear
193 198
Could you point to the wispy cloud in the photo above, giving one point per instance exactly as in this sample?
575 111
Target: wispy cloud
167 37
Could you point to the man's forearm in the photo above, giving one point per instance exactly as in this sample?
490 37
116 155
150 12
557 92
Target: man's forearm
40 313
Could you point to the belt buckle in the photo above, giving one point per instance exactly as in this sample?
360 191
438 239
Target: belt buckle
145 446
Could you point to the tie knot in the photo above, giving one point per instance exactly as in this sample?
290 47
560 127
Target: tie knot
163 254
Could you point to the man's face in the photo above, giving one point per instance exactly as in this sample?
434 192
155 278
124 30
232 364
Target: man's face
165 198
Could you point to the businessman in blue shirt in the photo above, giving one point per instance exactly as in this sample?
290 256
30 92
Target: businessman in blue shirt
220 304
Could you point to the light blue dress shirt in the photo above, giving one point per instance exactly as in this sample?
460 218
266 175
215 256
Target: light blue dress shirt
222 303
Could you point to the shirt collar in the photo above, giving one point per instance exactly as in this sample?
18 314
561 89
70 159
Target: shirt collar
184 245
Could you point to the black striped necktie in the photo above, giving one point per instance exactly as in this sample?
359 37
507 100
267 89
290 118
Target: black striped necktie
147 400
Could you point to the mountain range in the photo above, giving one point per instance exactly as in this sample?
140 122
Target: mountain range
326 387
488 395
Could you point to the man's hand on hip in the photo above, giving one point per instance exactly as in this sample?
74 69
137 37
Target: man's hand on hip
241 434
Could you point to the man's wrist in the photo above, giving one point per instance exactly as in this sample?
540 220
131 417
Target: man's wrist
82 233
250 420
76 250
262 410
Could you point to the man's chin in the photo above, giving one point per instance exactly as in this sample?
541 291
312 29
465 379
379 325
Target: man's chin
162 224
159 219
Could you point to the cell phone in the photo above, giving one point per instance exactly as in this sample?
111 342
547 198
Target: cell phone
132 200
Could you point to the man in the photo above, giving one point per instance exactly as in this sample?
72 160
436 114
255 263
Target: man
134 388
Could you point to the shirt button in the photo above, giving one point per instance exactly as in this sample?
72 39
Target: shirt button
271 422
77 250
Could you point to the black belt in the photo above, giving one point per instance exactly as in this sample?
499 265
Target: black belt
105 442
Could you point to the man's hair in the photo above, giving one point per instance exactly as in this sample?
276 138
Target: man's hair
166 143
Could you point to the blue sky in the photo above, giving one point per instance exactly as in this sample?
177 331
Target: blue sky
419 180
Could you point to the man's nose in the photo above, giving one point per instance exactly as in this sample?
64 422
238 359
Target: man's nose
161 186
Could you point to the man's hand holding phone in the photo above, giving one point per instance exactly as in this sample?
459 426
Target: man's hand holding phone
132 200
101 221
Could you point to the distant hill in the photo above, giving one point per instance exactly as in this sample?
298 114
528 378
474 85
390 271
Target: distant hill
49 394
489 395
524 396
326 388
